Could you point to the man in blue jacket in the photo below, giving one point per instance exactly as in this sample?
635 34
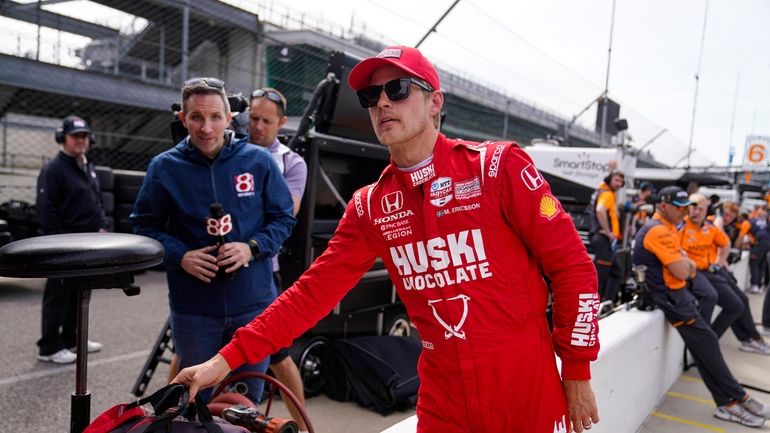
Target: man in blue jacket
218 266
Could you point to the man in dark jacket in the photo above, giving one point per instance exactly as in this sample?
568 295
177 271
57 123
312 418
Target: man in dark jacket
219 267
69 200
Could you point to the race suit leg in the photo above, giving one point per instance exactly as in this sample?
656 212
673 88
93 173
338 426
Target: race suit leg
513 387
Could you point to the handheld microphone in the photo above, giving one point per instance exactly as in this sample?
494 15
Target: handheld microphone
218 225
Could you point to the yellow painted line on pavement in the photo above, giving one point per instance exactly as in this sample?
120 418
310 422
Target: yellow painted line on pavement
706 401
688 422
691 379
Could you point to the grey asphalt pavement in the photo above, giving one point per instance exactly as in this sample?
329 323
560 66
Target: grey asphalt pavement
35 396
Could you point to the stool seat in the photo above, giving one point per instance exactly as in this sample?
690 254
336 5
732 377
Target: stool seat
79 255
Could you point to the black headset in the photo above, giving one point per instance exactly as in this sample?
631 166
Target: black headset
612 173
59 136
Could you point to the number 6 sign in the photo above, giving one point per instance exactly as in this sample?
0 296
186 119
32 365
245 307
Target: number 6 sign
755 155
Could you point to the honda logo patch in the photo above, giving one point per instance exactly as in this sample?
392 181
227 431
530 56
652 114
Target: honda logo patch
531 177
392 202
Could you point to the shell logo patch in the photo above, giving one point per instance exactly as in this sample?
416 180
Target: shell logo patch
548 207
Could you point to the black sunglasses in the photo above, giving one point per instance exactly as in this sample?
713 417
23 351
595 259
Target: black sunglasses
271 95
396 90
207 81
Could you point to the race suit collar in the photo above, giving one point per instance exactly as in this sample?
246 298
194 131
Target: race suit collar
423 174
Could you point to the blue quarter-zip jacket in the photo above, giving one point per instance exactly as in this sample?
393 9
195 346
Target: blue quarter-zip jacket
172 207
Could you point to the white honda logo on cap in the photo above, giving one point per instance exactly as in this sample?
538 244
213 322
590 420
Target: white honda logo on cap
392 202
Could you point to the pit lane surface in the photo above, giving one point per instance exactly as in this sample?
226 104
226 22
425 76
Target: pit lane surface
35 396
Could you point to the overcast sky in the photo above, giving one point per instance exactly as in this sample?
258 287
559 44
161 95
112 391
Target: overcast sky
553 53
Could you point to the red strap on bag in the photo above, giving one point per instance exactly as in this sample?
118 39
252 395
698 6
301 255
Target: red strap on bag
114 417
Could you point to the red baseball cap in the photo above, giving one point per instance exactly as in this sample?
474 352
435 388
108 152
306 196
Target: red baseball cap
408 59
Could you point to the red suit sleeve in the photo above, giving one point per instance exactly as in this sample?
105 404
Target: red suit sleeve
347 257
550 235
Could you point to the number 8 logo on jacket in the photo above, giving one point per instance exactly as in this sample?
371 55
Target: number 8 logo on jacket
244 182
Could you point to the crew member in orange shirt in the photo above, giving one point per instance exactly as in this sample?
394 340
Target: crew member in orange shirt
658 248
605 234
735 226
699 237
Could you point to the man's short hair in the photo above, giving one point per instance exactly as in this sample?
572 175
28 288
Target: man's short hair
204 86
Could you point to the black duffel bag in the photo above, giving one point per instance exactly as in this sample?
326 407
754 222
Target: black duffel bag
378 372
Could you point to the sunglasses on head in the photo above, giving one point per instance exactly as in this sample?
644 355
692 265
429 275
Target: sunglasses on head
216 83
396 90
271 95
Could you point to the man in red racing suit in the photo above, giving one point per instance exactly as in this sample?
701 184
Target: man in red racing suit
466 236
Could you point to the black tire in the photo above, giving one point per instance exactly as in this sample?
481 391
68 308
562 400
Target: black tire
108 202
127 185
106 177
122 212
310 354
400 326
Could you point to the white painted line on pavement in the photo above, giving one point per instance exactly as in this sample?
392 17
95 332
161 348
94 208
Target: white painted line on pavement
70 367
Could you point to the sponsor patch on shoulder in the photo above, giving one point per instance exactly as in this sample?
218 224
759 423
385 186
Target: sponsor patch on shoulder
531 177
548 207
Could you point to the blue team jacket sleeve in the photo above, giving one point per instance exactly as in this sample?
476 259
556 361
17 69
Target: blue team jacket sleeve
151 214
279 212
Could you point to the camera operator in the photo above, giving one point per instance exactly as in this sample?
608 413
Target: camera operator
216 283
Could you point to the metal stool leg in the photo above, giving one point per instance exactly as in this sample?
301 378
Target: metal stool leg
80 415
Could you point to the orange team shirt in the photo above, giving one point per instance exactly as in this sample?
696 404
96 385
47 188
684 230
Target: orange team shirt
701 243
745 229
607 199
663 241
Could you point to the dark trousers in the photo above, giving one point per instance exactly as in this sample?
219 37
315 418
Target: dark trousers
681 311
607 267
766 310
743 327
59 318
732 305
758 260
706 295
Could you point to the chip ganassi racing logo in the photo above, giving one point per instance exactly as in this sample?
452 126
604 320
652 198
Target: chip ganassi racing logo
456 329
442 261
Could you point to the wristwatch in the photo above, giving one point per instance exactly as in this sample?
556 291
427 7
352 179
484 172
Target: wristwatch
254 246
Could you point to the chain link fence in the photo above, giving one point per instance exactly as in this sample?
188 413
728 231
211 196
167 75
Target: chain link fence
120 64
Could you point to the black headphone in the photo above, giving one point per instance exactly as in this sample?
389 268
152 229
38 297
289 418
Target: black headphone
612 173
59 136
